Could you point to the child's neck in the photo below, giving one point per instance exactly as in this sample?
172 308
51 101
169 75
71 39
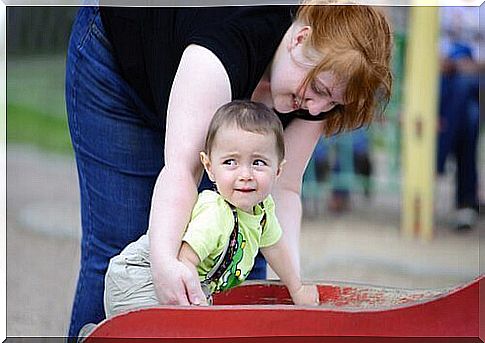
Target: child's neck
252 210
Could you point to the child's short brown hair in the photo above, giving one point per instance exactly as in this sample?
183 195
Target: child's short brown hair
248 116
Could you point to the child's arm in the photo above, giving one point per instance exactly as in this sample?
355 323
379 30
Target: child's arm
188 256
278 257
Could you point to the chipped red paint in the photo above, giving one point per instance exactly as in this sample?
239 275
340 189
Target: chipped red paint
342 296
261 310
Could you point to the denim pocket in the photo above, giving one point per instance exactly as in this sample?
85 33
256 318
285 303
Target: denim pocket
82 25
99 31
89 25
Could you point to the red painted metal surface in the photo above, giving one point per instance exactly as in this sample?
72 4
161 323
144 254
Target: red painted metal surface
263 310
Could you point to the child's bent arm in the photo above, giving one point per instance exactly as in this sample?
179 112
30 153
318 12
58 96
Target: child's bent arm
188 255
287 192
278 257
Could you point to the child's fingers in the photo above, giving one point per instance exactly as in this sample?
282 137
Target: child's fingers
317 295
309 295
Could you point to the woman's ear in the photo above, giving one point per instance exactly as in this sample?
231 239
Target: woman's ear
206 162
300 34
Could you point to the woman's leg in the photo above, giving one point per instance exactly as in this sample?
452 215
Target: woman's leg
118 159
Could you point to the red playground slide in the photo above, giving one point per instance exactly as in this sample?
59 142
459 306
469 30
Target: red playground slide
262 312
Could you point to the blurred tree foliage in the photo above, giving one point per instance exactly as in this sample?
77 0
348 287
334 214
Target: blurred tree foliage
39 29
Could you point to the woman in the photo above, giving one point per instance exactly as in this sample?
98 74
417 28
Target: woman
142 85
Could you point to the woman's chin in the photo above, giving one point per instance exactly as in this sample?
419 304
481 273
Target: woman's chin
283 109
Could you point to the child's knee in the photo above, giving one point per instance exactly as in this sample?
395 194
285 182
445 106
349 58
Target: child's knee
128 285
112 293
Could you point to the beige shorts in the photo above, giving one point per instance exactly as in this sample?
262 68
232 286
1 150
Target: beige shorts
128 280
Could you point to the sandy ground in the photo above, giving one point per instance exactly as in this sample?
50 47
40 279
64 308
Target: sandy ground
362 246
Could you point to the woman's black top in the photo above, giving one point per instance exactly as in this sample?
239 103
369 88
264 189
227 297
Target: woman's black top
148 44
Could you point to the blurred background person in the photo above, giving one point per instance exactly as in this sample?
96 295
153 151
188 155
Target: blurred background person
343 160
342 163
459 108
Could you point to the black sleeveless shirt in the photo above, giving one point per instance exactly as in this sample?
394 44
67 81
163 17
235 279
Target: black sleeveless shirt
148 44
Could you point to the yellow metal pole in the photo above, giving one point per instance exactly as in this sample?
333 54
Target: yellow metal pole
419 122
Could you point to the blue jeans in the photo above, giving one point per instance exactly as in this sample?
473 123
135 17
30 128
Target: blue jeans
119 155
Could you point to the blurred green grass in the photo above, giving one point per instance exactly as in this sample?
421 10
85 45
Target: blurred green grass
28 126
36 113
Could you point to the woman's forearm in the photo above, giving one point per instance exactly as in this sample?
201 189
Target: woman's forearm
173 198
172 205
289 211
191 107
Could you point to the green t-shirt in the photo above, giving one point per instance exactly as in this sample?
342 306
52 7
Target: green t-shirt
210 227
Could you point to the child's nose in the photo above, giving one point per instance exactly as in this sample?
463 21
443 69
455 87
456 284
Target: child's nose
246 173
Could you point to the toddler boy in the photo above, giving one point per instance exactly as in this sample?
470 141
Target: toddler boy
243 156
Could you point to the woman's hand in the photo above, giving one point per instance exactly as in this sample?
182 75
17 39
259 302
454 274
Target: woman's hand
306 295
176 284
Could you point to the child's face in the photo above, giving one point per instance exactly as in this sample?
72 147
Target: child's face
244 165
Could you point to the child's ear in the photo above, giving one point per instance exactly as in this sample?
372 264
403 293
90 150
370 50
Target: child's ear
280 168
206 162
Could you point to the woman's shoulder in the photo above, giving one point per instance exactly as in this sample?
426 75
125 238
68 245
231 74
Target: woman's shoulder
244 39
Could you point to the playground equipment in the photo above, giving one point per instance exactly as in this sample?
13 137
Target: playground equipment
262 311
419 122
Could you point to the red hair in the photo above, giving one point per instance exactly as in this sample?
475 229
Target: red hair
354 43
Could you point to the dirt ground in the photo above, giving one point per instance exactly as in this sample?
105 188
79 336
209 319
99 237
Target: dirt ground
363 246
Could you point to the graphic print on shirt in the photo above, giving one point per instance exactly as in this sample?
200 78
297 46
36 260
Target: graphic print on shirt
232 276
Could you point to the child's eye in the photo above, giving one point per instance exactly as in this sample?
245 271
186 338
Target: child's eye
229 162
259 163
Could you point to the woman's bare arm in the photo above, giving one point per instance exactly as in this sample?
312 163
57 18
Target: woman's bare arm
201 86
287 191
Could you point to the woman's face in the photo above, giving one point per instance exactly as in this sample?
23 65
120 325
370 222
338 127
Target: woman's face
288 71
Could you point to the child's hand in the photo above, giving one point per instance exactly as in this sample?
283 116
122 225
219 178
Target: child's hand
306 295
